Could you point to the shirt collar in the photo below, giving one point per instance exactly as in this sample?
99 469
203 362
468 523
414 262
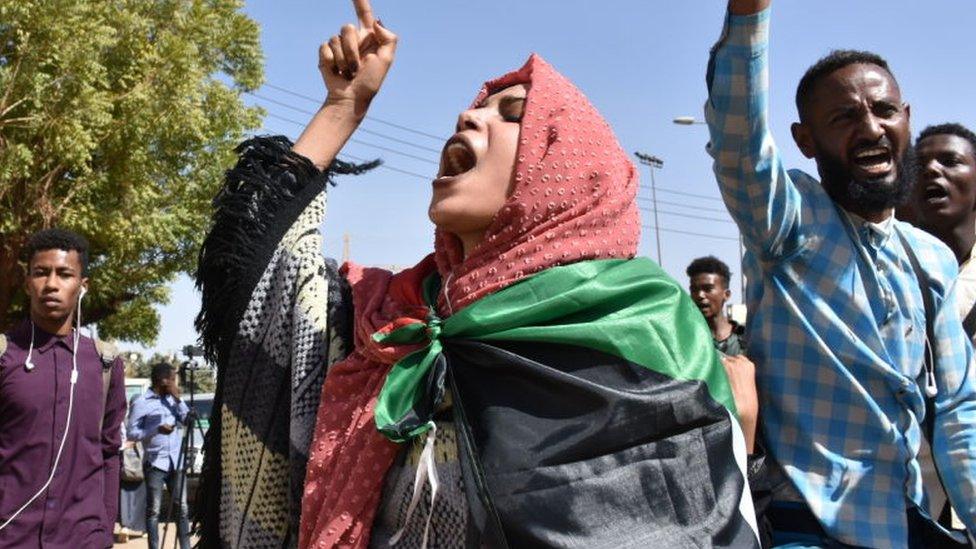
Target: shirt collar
875 234
44 341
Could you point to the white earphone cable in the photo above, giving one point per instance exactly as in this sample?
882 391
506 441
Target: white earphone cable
71 402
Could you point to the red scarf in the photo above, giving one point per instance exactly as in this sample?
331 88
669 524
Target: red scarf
573 200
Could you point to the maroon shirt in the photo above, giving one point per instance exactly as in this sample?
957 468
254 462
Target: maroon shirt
79 507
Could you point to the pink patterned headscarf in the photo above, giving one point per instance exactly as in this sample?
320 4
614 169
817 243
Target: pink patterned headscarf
573 200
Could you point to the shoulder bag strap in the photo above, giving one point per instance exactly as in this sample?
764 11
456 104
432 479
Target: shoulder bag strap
931 361
930 358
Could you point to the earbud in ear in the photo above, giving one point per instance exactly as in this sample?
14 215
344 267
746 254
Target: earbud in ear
82 293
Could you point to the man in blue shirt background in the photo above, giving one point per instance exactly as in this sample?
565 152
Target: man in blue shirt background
156 420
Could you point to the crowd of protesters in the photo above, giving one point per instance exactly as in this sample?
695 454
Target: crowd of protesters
531 382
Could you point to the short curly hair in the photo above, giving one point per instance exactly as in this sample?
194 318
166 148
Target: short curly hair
709 265
951 128
833 61
57 239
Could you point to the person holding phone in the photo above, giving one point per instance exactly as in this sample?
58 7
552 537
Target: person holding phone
156 420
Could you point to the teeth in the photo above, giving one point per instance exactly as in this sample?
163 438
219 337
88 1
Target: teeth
457 159
873 151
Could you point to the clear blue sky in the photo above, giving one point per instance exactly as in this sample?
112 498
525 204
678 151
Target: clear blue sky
641 62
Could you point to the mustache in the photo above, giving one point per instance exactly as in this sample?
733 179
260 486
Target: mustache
867 144
873 195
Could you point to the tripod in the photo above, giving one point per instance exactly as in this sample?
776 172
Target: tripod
187 446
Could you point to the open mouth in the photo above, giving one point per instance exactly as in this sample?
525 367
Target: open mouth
874 160
934 192
457 157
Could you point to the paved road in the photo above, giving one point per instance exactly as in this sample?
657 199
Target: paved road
143 542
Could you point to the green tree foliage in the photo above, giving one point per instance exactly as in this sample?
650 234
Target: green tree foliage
117 119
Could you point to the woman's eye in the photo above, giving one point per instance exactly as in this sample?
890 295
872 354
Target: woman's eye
512 114
512 110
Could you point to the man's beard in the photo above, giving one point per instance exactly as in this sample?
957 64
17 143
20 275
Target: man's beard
869 195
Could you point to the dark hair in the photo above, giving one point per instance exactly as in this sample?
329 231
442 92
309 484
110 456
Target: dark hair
161 371
951 128
709 265
57 239
831 62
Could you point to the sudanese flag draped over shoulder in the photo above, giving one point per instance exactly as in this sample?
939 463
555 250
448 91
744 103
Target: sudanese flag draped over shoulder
591 406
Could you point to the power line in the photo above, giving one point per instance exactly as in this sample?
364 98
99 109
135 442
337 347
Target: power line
365 143
666 190
373 118
346 156
388 167
693 234
361 129
680 205
689 216
425 134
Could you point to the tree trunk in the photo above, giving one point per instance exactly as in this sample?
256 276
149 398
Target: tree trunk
11 277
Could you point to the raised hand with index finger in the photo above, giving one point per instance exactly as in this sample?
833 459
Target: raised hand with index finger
354 62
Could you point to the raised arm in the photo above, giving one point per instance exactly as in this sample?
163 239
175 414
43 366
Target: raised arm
756 188
353 64
272 305
276 188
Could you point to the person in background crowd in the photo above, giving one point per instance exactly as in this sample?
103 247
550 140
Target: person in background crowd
944 202
62 400
156 420
836 324
708 284
132 500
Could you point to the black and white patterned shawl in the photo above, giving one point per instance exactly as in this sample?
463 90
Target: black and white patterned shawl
275 313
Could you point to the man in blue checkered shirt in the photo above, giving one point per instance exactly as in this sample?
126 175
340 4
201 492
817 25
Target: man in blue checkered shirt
837 318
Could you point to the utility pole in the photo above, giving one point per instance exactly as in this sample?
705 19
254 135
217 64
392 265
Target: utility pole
345 247
653 163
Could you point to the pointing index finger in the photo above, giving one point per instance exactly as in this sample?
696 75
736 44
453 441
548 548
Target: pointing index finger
365 13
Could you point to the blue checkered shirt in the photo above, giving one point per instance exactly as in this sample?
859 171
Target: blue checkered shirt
837 323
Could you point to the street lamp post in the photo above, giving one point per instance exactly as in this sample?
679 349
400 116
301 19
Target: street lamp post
653 163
